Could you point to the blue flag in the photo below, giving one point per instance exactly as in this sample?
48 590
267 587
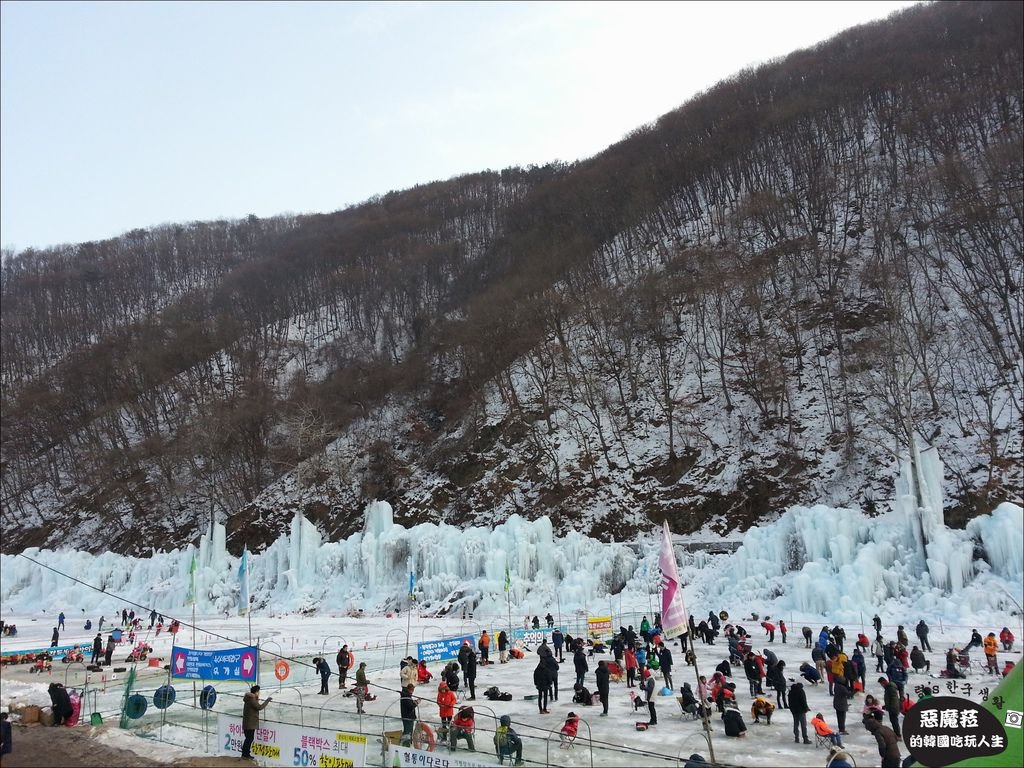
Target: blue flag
412 582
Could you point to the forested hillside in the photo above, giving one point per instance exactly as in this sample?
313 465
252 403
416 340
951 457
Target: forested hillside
762 298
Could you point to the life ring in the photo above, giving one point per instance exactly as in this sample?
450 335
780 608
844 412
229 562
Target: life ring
724 615
207 697
351 660
136 706
281 669
163 697
423 735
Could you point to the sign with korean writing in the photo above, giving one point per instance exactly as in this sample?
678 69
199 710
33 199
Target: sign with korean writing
407 757
57 653
231 664
439 650
530 638
599 626
293 745
946 729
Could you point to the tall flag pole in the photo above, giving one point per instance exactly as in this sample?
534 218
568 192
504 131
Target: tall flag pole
192 600
412 598
243 589
508 597
674 619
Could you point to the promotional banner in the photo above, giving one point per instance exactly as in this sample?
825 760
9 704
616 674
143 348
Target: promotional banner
294 745
400 757
673 613
530 638
599 627
57 653
440 650
231 664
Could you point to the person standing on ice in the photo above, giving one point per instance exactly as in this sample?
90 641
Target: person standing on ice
665 657
557 640
798 709
97 648
60 621
446 701
645 629
648 688
552 667
891 701
550 620
782 630
362 687
769 629
922 635
469 671
54 638
877 622
344 661
808 636
603 676
878 651
629 660
991 653
503 647
579 660
542 682
841 702
485 648
752 674
407 709
251 709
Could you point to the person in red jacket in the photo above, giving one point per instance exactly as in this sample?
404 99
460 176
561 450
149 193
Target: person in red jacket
446 701
423 674
782 629
629 658
769 629
570 729
1006 638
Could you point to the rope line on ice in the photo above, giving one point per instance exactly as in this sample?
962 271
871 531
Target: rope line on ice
291 659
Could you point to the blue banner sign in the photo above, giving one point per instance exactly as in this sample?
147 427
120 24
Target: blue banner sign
57 653
438 650
231 664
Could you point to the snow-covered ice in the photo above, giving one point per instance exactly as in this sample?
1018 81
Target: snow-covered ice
816 565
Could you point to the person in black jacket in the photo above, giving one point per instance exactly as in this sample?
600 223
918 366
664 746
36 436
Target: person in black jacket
451 676
542 682
60 703
407 705
733 720
344 659
665 658
467 658
603 685
777 680
97 648
109 653
552 667
579 660
503 647
324 670
799 709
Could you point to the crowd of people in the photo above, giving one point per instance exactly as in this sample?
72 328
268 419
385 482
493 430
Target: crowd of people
638 655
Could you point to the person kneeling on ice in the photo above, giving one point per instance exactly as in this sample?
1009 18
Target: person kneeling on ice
462 728
570 729
582 696
507 742
733 720
762 708
821 728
